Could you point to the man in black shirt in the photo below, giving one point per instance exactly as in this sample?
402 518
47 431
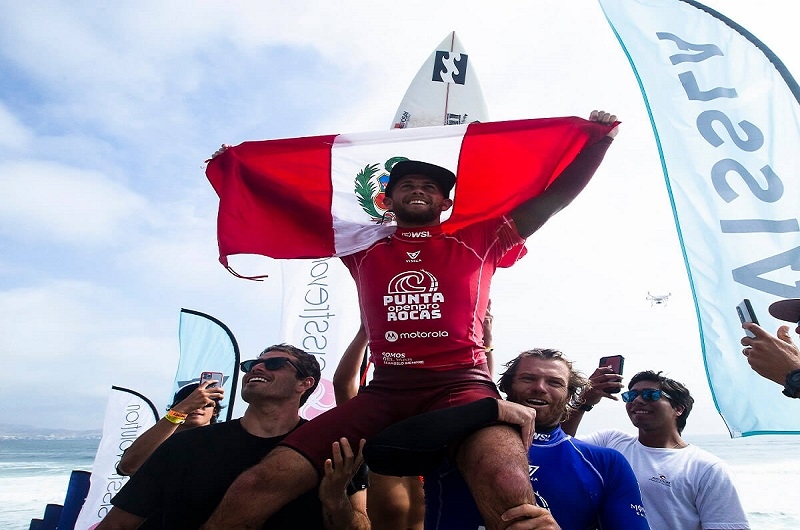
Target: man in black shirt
183 481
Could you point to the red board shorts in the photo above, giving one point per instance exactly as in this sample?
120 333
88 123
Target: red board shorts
394 394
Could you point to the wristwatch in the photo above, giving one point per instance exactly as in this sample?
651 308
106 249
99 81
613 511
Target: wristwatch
792 387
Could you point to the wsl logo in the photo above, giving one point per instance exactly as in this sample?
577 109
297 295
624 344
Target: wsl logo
413 295
450 67
370 189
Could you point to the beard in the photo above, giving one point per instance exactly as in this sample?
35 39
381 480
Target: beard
548 417
415 217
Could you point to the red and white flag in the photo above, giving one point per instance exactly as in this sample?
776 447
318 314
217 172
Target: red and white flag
322 196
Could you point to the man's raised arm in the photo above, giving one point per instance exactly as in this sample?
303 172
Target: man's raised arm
533 213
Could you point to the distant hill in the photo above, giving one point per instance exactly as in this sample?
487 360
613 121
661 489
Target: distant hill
15 431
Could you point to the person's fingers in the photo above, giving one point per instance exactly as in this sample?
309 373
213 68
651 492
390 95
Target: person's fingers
337 455
783 334
328 467
528 432
347 451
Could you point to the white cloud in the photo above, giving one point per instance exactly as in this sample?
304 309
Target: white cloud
49 201
66 343
13 134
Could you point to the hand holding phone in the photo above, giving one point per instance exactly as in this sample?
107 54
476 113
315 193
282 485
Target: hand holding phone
616 362
209 376
746 314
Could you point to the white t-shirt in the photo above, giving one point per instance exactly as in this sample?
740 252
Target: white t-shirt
682 489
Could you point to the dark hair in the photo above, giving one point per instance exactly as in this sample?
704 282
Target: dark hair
444 178
307 363
184 391
577 383
679 394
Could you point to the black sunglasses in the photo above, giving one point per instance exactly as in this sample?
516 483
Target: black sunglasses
271 364
648 394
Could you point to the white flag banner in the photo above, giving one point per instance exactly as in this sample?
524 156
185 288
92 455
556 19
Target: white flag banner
128 414
726 118
320 315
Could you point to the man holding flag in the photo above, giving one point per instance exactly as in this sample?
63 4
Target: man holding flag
423 295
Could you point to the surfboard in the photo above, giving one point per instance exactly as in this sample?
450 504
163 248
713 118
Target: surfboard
445 90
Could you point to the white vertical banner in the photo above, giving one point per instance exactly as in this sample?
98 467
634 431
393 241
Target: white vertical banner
726 118
320 315
128 414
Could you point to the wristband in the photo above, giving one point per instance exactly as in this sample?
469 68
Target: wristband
490 349
173 416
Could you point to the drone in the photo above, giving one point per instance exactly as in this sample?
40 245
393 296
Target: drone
658 299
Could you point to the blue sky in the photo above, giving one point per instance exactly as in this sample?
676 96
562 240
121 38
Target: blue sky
107 223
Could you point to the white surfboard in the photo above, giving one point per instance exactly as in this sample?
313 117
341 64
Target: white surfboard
445 90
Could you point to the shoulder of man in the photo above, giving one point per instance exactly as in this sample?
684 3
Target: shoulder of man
606 438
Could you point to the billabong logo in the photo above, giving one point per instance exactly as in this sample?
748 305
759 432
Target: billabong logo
370 189
413 257
449 67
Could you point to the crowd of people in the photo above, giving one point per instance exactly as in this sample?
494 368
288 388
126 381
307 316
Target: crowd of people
443 449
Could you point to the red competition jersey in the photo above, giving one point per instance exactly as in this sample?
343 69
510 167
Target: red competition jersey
423 294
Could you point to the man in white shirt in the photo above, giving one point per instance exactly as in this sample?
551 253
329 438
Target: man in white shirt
683 487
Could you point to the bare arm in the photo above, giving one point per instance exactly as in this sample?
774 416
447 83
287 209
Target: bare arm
346 377
141 449
533 213
120 520
602 380
340 511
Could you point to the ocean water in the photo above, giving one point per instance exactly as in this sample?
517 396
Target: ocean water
34 473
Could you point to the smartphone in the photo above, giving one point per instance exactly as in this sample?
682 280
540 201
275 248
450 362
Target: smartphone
746 314
616 362
216 376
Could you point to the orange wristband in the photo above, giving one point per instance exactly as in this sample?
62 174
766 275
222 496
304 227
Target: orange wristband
173 416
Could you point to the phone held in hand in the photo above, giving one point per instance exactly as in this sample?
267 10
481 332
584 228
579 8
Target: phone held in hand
616 362
209 376
746 314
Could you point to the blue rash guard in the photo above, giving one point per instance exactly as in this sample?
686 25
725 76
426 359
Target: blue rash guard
584 486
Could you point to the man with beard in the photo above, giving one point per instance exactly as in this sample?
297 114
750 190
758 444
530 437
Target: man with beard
187 475
577 485
423 295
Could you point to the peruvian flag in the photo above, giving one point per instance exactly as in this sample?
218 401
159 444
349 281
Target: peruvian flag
322 196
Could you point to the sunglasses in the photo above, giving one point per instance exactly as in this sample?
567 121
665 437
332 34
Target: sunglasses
648 394
271 364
